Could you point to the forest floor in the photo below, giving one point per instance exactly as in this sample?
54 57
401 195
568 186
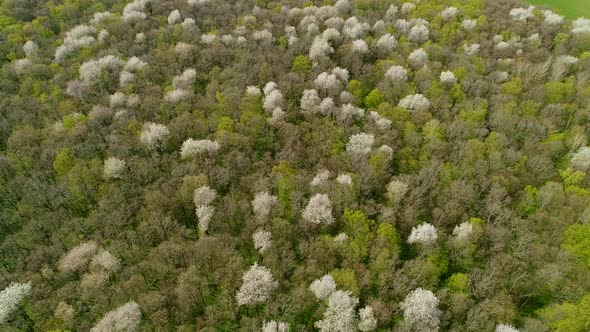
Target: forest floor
570 8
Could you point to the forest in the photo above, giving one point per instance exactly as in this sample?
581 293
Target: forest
293 165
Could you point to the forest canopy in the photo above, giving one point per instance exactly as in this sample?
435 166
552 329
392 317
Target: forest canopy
291 165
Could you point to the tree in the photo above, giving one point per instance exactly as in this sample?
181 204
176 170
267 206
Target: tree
340 314
420 308
192 148
318 210
113 168
424 233
78 257
360 144
262 240
257 286
263 204
323 287
125 318
11 297
367 319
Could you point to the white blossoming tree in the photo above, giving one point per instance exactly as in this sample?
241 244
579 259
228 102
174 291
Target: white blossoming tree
11 297
318 210
125 318
424 233
367 322
262 240
257 286
340 314
323 287
420 309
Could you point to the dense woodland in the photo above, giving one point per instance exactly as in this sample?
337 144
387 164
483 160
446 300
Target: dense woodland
266 165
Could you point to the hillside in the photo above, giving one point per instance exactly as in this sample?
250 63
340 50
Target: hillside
290 165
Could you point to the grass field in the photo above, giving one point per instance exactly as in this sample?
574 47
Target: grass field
569 8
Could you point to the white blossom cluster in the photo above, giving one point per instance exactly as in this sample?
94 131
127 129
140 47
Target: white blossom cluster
359 46
91 70
202 198
418 58
396 190
262 36
99 16
257 286
263 204
581 159
332 82
185 79
367 320
30 48
262 240
449 13
323 287
113 168
354 29
188 23
386 43
420 309
174 17
424 233
340 238
448 78
192 148
381 122
208 38
505 328
177 95
11 297
553 18
471 49
77 38
468 24
344 179
360 144
522 14
134 11
349 112
415 102
581 25
320 48
340 314
183 49
254 91
154 135
198 2
419 33
321 178
20 65
463 231
78 257
274 326
310 101
396 74
407 7
125 318
273 98
318 210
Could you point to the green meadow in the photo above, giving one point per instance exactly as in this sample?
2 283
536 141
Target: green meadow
569 8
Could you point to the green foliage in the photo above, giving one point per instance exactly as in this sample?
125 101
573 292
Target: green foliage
576 240
513 87
301 64
568 317
459 283
64 161
374 98
346 279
